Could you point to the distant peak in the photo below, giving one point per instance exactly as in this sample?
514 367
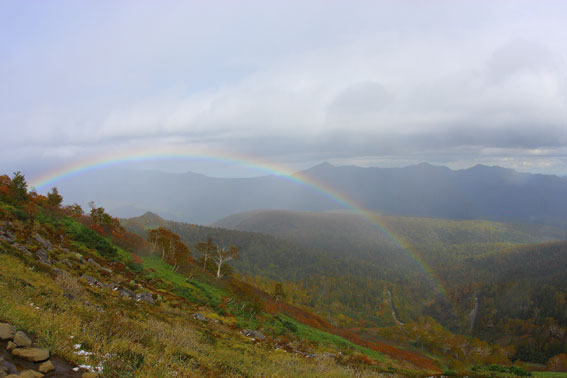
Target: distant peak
150 215
320 167
426 165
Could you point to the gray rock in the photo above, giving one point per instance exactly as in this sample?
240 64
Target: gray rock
22 340
43 256
126 293
32 354
146 297
200 317
23 249
44 242
7 331
98 266
111 286
92 281
256 335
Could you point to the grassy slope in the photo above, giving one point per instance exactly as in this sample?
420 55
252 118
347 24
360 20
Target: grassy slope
137 339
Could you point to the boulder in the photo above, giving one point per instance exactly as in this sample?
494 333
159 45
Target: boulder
7 331
32 354
46 367
22 340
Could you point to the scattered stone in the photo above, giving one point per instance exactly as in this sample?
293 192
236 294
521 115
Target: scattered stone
200 317
146 297
11 345
98 266
43 256
7 331
126 293
22 340
256 335
46 367
23 249
44 243
30 374
111 286
32 354
92 281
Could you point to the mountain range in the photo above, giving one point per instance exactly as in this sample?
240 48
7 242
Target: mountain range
423 190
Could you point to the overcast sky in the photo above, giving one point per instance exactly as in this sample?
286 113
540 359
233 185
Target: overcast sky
370 83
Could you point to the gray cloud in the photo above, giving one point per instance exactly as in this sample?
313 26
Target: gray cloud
288 81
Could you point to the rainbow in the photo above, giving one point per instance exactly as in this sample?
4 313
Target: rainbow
90 164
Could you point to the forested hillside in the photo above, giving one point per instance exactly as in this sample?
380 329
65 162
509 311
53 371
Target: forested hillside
325 260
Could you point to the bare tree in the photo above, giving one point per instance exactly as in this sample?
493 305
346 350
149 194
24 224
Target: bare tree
222 256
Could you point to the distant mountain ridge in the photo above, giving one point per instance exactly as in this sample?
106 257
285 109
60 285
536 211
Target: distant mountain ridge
422 190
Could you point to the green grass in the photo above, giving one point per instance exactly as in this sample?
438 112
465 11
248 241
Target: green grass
193 290
204 293
324 338
549 374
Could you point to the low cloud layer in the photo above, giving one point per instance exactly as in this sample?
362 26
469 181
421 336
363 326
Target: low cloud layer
384 82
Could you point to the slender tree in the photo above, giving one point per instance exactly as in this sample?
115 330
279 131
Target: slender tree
206 249
222 256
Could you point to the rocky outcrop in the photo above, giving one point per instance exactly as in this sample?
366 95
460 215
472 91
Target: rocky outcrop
20 345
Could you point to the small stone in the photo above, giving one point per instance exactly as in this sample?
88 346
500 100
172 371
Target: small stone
7 331
46 367
200 317
22 340
11 345
31 354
